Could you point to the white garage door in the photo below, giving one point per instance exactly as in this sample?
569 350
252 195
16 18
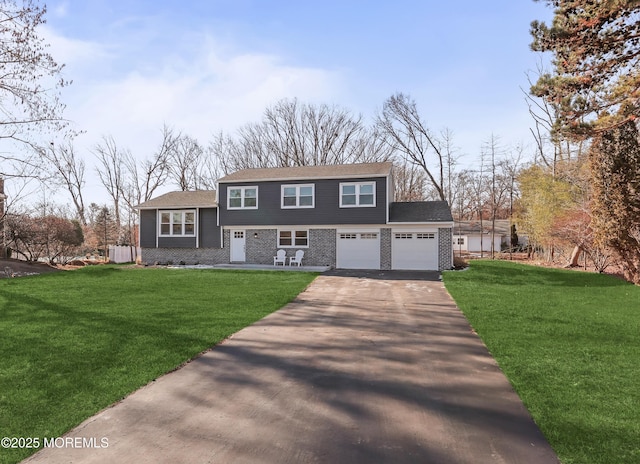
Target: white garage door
414 250
358 250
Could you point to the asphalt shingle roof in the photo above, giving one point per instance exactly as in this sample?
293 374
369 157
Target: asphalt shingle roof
310 172
473 227
420 211
190 199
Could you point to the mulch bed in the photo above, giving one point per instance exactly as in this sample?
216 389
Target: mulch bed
16 268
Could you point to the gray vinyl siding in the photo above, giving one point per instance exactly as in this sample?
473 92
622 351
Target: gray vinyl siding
209 231
326 211
148 224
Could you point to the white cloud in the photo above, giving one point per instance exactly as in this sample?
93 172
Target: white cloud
61 9
200 93
209 94
78 54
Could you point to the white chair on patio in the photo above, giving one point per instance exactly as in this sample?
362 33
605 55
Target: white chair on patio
297 259
280 257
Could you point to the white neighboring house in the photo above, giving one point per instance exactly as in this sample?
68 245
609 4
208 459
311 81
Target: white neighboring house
469 237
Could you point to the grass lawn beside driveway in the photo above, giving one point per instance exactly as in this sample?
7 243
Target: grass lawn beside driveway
72 343
569 342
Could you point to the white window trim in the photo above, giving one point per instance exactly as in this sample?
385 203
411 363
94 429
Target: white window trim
293 239
358 185
242 196
297 187
171 212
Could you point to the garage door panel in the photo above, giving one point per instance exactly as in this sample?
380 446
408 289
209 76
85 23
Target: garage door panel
414 250
358 250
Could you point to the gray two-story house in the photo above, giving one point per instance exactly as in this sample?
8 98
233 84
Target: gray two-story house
341 216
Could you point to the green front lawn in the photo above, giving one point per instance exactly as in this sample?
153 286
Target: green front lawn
72 343
569 342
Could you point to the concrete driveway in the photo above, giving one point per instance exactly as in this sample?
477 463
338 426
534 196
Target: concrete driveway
376 367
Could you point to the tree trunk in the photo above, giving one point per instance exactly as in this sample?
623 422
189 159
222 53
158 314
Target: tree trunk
575 257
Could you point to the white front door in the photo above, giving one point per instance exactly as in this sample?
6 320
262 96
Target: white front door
238 254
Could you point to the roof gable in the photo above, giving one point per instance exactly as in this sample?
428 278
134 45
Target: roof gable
502 227
335 171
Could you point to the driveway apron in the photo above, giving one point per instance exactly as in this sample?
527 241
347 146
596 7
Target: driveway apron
360 368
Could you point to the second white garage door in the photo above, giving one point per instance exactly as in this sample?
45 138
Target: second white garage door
414 250
358 250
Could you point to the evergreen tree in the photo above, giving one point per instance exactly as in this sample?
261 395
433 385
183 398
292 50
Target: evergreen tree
596 48
514 237
615 170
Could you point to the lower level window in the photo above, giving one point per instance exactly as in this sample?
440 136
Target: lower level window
293 238
177 223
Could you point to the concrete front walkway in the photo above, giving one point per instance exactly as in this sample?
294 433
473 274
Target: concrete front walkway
375 369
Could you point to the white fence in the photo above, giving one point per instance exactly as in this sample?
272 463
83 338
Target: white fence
123 254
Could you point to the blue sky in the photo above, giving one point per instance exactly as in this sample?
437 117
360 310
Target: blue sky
203 66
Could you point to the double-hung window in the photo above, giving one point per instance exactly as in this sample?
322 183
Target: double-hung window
298 196
177 223
242 197
293 238
355 194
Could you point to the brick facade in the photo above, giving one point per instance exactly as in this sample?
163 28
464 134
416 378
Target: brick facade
385 249
261 247
445 249
189 256
323 248
208 256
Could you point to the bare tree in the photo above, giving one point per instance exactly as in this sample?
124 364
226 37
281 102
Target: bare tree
45 232
30 80
143 178
210 170
185 160
408 134
409 182
69 171
479 182
451 156
553 150
297 134
111 171
509 169
497 188
463 204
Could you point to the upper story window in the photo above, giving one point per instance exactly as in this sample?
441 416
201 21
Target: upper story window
357 194
242 197
177 223
298 196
